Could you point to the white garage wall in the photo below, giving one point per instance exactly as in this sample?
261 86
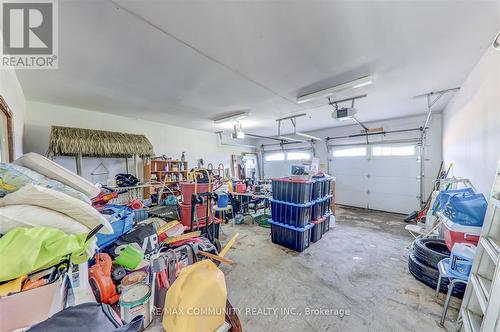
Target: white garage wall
166 139
471 124
12 93
433 150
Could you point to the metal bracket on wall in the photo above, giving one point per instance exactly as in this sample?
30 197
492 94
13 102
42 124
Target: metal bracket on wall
432 97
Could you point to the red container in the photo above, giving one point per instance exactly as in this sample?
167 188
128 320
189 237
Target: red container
241 188
187 190
456 233
201 212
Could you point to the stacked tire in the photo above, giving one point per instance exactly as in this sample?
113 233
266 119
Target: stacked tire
423 262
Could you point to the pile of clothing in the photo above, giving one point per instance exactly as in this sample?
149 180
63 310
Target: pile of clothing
47 228
63 257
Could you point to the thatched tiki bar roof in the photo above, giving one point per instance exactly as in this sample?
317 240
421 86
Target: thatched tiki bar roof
65 141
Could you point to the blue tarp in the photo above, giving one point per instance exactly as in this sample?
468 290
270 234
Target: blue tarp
462 206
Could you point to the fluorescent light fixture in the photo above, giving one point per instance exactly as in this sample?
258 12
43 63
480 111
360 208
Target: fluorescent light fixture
286 138
235 116
308 136
360 85
357 83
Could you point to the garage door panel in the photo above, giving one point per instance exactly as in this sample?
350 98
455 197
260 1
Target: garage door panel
393 194
355 198
349 166
393 202
396 185
398 167
351 190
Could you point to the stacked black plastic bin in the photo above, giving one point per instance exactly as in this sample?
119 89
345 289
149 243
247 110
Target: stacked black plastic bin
291 210
322 199
300 210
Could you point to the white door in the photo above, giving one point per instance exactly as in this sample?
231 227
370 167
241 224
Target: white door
385 178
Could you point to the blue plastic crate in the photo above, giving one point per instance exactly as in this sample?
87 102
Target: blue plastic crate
317 189
297 215
321 207
295 238
325 205
292 190
321 187
317 230
326 223
326 186
317 210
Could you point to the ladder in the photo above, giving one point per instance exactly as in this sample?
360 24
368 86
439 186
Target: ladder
481 303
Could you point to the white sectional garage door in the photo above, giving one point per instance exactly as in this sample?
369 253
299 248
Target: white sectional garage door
387 183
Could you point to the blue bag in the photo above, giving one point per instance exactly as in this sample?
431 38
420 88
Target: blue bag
467 209
445 195
121 219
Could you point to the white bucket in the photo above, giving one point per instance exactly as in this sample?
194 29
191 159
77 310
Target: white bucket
135 301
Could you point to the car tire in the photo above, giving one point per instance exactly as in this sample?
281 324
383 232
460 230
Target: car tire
429 276
431 251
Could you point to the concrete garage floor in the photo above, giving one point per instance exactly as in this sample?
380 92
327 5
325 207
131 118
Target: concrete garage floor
354 279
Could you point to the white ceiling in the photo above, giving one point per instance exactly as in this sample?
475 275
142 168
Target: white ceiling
185 62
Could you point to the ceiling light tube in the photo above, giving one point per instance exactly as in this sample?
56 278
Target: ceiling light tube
308 136
360 85
231 117
286 138
355 84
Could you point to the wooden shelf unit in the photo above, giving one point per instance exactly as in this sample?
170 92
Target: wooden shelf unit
155 172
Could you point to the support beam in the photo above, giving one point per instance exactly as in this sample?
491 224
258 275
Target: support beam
284 143
432 97
136 167
375 133
79 164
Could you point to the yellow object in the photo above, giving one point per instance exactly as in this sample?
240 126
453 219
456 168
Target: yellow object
13 286
217 258
196 301
7 187
230 186
185 236
224 251
167 226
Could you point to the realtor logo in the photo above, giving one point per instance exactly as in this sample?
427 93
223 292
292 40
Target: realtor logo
29 34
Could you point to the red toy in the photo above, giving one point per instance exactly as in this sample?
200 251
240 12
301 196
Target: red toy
100 279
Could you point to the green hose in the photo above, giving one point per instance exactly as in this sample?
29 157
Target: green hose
262 220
